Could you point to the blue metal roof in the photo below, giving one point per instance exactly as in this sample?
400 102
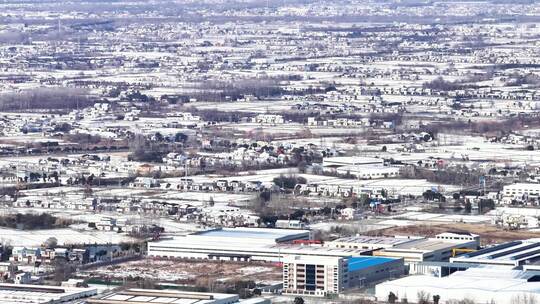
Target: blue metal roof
361 262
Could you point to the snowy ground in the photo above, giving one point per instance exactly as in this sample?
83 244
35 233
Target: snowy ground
188 271
444 218
362 226
64 236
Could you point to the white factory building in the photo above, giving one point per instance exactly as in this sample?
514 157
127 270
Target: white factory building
243 244
39 294
369 172
369 242
360 167
268 119
140 296
521 189
351 161
479 285
506 273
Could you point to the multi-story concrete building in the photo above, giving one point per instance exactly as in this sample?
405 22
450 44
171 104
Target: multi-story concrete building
320 276
314 275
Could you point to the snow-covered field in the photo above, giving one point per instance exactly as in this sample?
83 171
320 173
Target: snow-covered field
444 218
65 237
174 270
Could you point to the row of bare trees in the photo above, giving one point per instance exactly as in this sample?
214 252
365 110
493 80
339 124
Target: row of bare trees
46 99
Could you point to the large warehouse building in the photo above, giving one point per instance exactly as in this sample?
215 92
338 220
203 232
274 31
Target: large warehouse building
438 248
519 255
368 242
351 161
243 244
140 296
513 254
521 189
479 285
36 294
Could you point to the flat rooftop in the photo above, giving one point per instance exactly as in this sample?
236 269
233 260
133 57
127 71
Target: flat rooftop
423 245
253 233
244 246
40 294
372 240
489 279
351 160
163 296
316 249
512 253
524 186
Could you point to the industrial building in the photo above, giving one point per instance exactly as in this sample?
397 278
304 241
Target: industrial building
369 242
320 276
360 167
521 189
479 285
512 254
139 296
39 294
438 248
351 161
369 171
519 255
261 244
290 224
438 269
244 244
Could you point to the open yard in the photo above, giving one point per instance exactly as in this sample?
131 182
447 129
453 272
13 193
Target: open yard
188 272
488 234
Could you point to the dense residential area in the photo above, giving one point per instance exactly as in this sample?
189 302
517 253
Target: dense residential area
270 151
